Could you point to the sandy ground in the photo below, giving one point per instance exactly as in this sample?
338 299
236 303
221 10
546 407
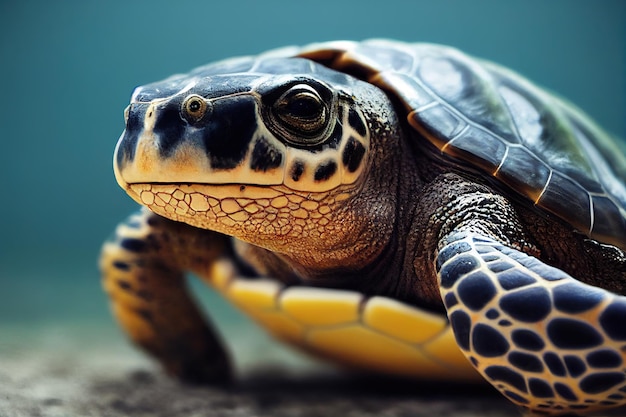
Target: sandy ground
88 369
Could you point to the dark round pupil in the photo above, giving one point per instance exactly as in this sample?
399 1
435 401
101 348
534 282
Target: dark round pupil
195 106
303 106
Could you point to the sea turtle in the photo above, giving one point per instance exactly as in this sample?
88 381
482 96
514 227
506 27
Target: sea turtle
395 207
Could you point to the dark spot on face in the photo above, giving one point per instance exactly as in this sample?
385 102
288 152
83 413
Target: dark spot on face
353 154
529 306
265 156
506 375
539 388
525 362
575 366
134 127
325 171
575 298
612 320
476 290
554 363
527 339
488 342
573 334
169 128
453 270
297 169
133 245
356 122
335 137
461 325
504 323
227 137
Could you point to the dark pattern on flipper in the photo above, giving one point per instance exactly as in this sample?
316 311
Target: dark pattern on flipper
571 298
573 334
476 290
612 320
604 358
134 245
526 362
527 339
452 271
516 304
488 342
147 292
507 375
554 363
600 382
462 324
543 313
539 388
575 366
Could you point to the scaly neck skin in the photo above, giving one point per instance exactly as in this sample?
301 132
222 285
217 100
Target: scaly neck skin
359 249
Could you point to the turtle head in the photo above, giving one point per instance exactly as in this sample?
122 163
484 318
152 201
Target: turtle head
269 155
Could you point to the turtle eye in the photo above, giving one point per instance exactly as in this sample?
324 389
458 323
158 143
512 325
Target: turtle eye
302 111
194 108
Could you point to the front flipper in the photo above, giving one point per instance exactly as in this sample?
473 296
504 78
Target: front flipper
546 341
143 273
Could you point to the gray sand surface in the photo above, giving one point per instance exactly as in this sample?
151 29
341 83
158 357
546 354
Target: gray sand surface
88 369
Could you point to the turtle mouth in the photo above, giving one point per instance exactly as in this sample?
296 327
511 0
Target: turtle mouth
197 196
266 216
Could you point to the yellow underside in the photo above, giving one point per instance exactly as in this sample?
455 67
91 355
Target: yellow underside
376 334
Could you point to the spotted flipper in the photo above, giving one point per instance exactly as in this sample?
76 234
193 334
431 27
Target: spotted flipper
142 269
546 341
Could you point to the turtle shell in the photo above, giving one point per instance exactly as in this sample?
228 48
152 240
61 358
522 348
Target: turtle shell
488 119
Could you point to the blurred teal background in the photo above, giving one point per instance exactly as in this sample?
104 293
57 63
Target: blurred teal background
68 67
